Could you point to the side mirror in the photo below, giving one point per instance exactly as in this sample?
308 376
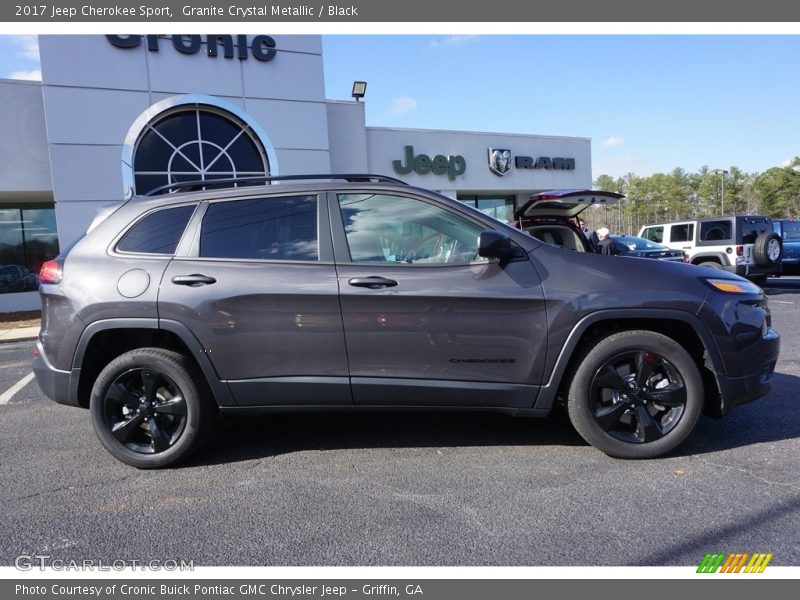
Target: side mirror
495 244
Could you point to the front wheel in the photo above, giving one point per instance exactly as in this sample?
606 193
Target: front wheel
636 394
148 410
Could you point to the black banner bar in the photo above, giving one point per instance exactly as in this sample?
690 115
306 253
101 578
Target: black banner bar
389 589
365 11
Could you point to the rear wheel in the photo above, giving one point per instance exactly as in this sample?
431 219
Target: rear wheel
711 264
147 409
636 394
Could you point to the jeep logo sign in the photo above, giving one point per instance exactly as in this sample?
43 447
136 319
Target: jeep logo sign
423 164
262 47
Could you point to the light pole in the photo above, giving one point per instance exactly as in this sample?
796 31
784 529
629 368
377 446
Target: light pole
722 173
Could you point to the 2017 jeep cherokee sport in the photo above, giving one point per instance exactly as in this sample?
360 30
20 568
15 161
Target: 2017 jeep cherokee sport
360 291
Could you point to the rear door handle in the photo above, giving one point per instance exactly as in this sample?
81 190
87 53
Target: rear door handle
193 280
373 283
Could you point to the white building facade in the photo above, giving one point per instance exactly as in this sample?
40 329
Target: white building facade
117 116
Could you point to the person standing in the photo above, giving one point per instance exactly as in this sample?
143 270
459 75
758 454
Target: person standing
589 234
605 245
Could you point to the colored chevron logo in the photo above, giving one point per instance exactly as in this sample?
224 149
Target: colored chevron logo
737 562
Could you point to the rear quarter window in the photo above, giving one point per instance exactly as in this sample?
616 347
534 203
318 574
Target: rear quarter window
791 230
157 233
715 232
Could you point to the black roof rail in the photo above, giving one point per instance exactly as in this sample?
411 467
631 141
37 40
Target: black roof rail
183 186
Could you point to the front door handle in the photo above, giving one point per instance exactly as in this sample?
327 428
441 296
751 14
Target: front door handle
373 283
193 280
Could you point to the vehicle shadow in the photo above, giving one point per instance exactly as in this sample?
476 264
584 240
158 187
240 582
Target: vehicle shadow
241 439
769 419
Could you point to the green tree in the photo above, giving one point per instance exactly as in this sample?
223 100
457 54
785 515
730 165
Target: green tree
779 188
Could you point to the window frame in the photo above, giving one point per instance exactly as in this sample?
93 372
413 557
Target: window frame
342 247
189 248
25 240
728 241
674 226
648 229
197 111
114 250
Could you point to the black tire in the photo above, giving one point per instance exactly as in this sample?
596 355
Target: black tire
621 381
148 409
768 249
711 264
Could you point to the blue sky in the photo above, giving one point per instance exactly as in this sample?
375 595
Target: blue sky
650 103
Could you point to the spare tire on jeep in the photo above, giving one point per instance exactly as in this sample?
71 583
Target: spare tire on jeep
768 248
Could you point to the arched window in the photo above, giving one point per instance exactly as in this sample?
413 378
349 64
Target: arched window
189 142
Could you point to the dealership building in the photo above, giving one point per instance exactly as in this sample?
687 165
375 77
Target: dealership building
117 116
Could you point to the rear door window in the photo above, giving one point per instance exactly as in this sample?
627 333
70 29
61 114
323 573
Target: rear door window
283 228
682 232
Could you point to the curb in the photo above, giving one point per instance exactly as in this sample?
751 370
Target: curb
11 340
23 334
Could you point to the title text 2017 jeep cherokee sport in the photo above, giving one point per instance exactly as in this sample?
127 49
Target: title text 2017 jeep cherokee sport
360 291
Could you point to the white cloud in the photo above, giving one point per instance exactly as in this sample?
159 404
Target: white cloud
612 142
453 41
28 47
33 75
402 105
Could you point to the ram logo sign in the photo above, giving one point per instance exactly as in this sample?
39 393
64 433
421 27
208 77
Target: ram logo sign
502 160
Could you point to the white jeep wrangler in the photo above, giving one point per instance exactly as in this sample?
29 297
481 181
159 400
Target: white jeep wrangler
745 244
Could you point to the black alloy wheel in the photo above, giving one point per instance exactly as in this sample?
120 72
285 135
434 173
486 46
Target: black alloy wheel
635 394
150 408
145 410
638 397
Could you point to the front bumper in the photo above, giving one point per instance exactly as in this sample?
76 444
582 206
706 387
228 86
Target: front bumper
746 388
57 385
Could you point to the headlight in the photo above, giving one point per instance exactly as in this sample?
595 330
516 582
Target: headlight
734 286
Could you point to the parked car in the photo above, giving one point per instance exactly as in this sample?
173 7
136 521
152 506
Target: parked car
341 292
636 247
789 230
16 278
552 216
744 244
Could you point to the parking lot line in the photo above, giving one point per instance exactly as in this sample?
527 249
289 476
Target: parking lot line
10 392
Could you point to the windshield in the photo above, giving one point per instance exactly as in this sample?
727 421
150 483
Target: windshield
637 243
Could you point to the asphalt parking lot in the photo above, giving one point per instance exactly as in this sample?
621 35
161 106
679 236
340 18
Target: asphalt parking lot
406 489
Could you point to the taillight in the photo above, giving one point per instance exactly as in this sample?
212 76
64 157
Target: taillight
739 250
50 272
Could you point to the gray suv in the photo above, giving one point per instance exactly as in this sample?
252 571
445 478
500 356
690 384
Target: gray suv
341 292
